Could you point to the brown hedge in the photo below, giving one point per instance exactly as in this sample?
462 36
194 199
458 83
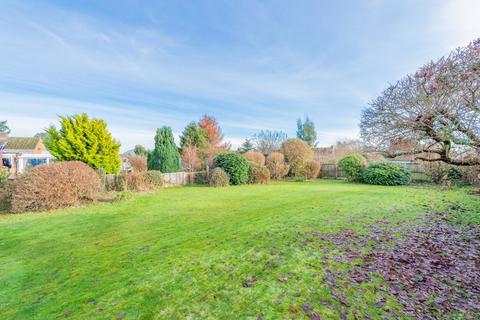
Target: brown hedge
277 166
58 185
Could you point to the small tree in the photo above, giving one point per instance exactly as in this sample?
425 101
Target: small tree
214 135
165 156
190 159
4 127
193 135
246 146
83 139
267 141
306 131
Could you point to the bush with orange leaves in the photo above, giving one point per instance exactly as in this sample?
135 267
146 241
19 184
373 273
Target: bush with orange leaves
255 158
276 165
298 154
58 185
138 163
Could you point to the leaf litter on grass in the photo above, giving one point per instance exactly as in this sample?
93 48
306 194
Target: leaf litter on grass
432 269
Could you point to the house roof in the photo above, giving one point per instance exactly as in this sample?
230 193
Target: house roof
22 143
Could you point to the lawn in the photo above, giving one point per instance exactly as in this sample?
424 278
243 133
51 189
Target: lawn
201 253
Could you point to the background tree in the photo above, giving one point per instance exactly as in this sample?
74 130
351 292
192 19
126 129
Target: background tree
87 140
45 135
306 131
190 159
4 127
438 108
193 135
267 141
246 146
214 135
165 156
140 150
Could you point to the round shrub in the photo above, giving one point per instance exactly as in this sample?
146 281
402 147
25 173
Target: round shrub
297 153
255 158
154 177
234 165
276 165
312 169
219 178
387 174
353 166
58 185
259 174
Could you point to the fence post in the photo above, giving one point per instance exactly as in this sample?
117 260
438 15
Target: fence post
336 172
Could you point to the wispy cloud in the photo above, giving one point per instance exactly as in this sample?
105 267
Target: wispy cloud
253 65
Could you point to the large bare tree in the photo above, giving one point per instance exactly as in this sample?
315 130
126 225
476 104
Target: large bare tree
438 108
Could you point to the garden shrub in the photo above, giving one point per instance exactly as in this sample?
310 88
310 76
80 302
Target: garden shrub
137 181
219 178
276 165
201 177
259 174
58 185
312 169
298 154
442 173
121 182
255 158
236 167
471 175
386 173
138 163
353 166
154 177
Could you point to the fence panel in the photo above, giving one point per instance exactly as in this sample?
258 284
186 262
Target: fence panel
331 171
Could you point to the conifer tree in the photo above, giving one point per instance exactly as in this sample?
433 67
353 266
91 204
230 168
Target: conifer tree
165 156
84 139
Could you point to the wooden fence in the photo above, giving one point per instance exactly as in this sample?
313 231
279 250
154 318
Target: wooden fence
179 178
331 171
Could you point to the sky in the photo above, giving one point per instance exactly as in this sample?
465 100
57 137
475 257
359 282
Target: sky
254 65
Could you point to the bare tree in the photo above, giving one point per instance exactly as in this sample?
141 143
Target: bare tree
267 141
438 108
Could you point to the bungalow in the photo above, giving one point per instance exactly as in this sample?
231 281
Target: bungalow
21 153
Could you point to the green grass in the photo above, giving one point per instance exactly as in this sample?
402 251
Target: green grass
184 252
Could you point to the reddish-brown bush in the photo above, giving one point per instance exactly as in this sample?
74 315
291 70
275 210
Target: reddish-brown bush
298 154
255 158
138 163
54 186
259 174
276 165
312 169
219 178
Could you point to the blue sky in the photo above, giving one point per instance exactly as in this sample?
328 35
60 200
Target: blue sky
252 64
